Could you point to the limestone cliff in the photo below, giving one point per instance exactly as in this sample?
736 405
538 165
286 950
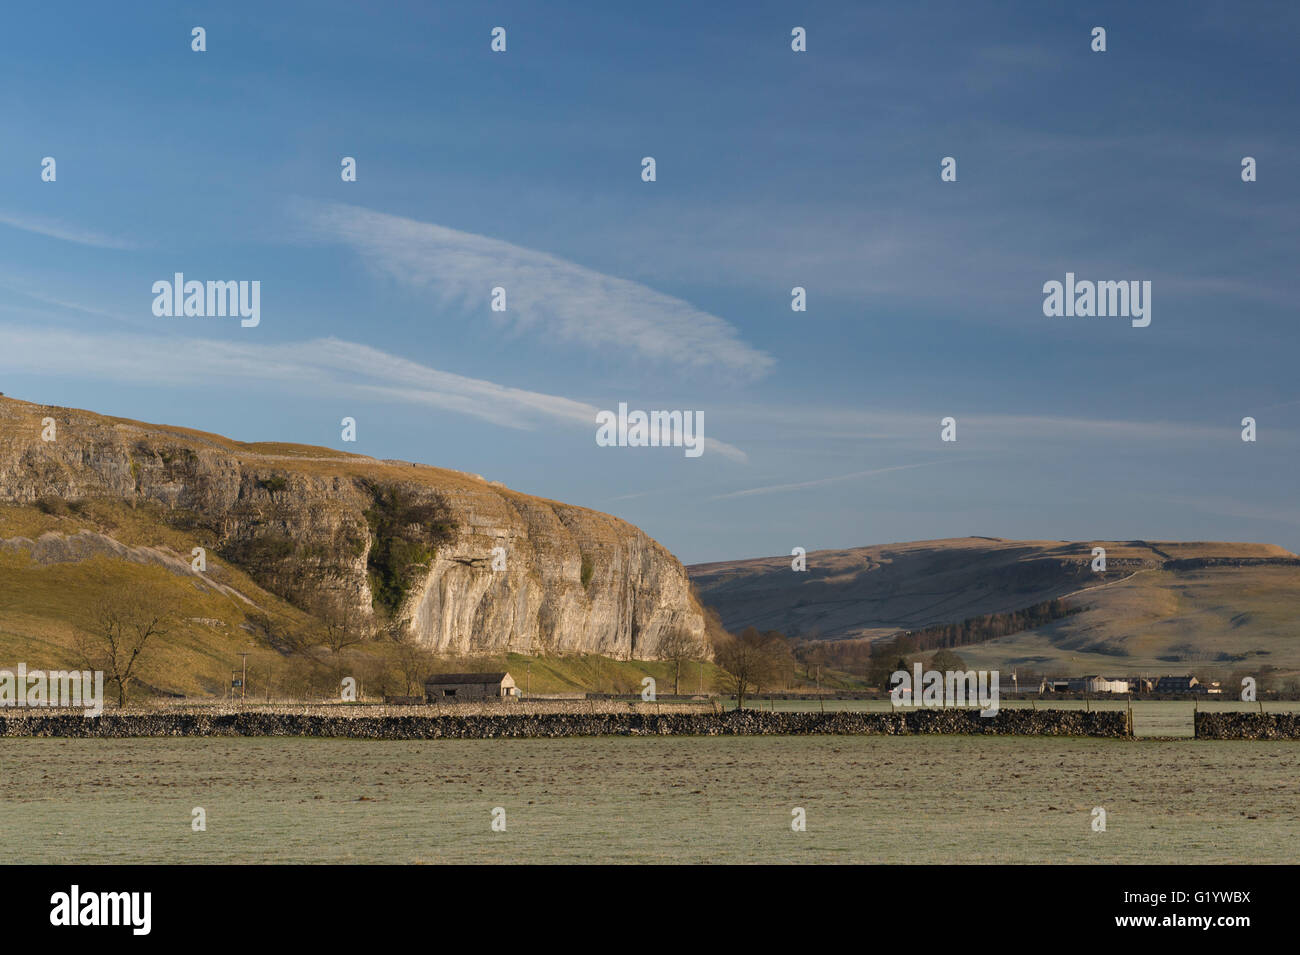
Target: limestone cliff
463 564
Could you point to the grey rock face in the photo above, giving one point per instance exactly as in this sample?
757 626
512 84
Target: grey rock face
573 580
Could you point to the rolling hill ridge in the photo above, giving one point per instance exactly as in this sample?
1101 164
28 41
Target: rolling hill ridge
1158 604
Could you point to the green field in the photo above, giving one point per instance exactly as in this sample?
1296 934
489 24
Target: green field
700 799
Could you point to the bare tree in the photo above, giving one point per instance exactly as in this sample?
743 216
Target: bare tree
680 647
413 660
781 661
342 626
122 626
748 662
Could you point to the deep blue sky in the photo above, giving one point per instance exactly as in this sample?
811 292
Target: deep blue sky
775 169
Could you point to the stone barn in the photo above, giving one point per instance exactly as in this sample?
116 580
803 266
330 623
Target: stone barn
458 687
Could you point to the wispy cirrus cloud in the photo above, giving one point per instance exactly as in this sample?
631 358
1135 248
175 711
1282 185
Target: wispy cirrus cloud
820 482
59 230
1000 431
545 294
328 365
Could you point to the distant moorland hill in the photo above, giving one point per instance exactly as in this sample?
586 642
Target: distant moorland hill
1158 607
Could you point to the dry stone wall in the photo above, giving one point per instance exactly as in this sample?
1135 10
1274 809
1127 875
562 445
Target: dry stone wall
558 724
1247 725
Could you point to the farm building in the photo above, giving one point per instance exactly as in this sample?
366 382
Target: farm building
457 687
1178 684
1098 684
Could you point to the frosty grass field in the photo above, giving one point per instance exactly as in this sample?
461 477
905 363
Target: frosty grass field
925 799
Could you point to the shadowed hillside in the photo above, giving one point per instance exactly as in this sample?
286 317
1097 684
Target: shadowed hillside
1159 605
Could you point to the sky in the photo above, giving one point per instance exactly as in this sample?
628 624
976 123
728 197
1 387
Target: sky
774 169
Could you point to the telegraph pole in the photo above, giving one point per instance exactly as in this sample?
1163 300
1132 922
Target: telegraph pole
243 683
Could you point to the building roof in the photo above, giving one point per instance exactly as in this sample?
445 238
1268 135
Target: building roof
445 678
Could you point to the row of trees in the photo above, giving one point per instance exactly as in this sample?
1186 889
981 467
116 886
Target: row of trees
869 658
989 626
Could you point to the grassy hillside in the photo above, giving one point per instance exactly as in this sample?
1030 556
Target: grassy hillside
1146 613
1214 620
47 604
